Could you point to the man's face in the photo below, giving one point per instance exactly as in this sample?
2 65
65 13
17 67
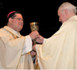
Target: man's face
62 16
17 22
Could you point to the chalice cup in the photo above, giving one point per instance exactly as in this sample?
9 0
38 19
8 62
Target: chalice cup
34 26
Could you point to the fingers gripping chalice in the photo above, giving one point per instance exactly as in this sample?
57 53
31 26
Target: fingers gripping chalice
34 26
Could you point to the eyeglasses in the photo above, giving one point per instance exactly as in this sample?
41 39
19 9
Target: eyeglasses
19 19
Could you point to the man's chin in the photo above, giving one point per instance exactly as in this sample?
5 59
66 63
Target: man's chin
19 30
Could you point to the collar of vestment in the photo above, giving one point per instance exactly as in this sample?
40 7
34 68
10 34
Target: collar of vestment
72 18
12 31
69 20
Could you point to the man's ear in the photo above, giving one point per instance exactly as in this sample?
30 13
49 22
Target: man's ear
10 20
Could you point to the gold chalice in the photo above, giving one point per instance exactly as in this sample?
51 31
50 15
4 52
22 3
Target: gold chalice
34 26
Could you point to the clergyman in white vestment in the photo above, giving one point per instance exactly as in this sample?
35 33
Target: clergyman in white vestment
60 50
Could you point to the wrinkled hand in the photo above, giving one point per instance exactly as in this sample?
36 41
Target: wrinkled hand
34 34
40 39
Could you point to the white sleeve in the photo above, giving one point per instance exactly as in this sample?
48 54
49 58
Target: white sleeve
27 45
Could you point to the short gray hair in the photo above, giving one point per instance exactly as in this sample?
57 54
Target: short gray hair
67 5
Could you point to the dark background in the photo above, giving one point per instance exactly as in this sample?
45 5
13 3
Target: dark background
44 12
